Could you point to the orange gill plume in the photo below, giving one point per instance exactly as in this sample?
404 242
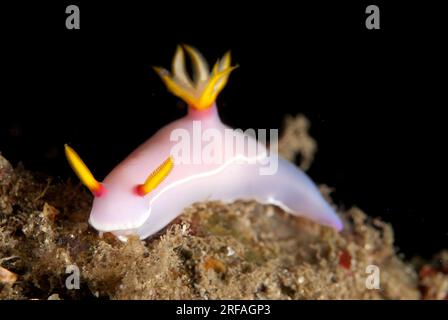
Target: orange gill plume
201 91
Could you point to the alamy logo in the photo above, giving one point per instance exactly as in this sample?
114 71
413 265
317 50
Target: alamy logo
211 146
72 20
373 20
373 278
72 281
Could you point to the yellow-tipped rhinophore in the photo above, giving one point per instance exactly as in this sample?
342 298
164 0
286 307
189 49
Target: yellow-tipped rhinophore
83 173
156 177
202 91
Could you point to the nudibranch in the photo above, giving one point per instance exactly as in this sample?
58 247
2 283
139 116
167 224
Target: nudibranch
195 159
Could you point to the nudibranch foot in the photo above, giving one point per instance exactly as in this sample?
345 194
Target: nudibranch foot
290 189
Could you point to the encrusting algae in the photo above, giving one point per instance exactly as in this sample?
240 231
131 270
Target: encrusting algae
244 250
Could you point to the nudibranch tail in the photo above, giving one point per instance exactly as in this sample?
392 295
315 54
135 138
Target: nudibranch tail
83 172
201 92
156 177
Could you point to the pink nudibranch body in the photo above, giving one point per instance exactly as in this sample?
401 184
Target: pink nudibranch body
123 211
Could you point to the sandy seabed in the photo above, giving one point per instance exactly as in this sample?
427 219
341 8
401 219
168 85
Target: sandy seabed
242 250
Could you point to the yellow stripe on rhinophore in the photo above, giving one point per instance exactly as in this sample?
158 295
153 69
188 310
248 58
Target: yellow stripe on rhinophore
178 68
157 176
81 170
200 66
175 87
214 86
224 63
